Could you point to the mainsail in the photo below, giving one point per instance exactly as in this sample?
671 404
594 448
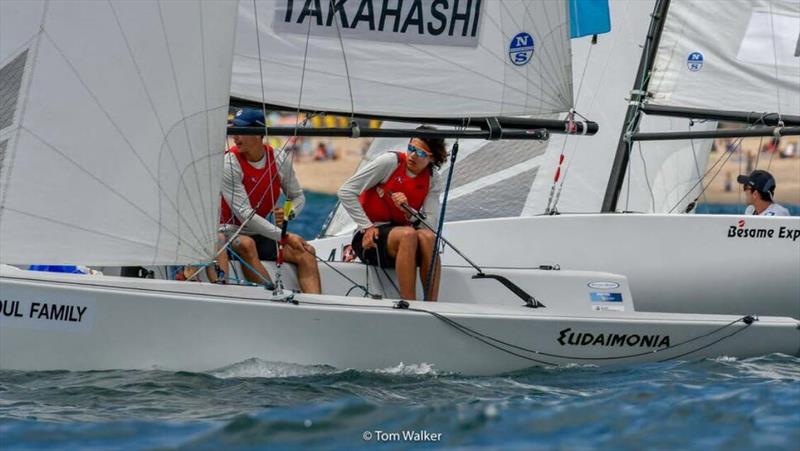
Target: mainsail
739 55
112 127
425 58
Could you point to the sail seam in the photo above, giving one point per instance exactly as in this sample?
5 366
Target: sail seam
164 134
211 195
183 112
98 180
107 114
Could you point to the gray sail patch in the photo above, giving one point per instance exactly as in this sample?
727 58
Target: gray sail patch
10 83
432 22
493 158
3 147
499 200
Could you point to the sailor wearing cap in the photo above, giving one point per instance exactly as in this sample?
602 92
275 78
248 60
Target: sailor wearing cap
759 188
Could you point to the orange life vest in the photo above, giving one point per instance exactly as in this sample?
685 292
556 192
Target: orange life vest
377 201
263 186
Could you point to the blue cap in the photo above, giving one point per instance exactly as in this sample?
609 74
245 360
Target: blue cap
759 180
248 117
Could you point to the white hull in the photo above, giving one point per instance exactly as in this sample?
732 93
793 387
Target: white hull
144 324
674 263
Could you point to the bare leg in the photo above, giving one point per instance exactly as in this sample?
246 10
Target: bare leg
246 248
426 239
402 246
307 269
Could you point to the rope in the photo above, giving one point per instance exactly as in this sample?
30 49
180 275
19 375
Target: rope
747 320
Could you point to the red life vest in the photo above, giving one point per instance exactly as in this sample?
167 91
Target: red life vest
377 201
263 186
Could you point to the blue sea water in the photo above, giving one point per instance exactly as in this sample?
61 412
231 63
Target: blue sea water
712 404
720 403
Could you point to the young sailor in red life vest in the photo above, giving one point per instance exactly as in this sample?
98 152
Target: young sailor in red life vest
386 236
252 179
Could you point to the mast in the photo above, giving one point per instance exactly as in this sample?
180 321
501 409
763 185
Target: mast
633 115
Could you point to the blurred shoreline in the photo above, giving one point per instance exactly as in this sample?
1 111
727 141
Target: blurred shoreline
327 175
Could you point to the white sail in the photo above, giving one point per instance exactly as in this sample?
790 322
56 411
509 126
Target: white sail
112 127
730 55
506 179
415 58
660 173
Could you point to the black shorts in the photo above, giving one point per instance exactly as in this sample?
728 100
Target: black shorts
378 255
267 248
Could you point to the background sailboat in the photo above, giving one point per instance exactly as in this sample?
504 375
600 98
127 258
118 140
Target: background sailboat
670 273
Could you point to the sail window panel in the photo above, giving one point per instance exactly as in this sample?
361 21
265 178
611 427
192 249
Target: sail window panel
3 148
402 76
742 55
20 23
498 200
11 76
492 158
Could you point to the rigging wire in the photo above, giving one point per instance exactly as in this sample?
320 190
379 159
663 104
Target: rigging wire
646 176
696 163
700 180
344 59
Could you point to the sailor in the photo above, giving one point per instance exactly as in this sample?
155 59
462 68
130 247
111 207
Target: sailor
386 234
252 180
759 189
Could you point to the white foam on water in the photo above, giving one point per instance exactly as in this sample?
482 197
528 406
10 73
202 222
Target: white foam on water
261 368
414 369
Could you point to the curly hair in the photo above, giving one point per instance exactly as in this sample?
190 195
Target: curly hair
436 146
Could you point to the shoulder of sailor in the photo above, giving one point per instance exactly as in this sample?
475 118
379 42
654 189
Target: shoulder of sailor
776 209
231 164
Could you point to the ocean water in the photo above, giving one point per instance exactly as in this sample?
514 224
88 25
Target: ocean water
711 404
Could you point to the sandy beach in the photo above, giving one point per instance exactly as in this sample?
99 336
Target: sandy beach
785 170
327 176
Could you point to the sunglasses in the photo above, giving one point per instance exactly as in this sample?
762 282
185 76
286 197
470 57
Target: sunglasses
420 153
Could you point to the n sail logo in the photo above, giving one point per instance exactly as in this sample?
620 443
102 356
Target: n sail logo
521 49
436 22
695 61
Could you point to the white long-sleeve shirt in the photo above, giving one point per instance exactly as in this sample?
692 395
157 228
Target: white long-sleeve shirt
235 195
377 172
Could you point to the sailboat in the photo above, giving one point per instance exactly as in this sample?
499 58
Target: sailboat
696 264
111 143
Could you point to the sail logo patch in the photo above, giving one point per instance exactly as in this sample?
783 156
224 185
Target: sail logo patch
434 22
695 61
521 49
